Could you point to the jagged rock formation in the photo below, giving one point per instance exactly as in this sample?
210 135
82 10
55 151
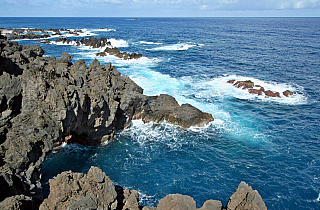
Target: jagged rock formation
45 101
96 191
91 42
165 107
245 198
257 89
116 52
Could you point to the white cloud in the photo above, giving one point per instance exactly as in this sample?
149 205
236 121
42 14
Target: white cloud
203 7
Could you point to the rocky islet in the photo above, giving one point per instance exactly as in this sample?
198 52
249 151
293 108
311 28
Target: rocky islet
46 101
258 89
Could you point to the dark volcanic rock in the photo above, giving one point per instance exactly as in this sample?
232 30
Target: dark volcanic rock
116 52
43 100
165 107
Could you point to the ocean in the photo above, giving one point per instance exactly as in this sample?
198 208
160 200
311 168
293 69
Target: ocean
273 144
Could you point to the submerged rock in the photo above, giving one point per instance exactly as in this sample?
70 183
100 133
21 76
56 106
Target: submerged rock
258 90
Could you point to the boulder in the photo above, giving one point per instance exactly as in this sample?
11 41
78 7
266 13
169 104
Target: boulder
176 202
287 93
244 84
212 205
245 198
270 93
18 202
81 191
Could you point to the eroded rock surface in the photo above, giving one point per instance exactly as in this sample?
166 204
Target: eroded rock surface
245 198
165 107
81 191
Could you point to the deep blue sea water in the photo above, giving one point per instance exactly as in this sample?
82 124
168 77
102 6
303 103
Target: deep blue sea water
272 144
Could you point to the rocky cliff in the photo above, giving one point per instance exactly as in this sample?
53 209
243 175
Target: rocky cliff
45 101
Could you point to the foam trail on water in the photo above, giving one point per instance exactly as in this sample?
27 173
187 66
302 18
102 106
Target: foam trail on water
150 43
104 29
174 47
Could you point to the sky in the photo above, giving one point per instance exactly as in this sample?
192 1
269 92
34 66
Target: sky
160 8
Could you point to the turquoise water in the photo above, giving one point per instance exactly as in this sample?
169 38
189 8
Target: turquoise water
271 143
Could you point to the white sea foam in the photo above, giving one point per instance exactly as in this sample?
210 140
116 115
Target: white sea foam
219 87
118 42
114 43
104 29
174 47
150 43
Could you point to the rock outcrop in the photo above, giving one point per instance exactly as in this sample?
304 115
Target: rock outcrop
81 191
45 100
258 90
166 108
116 52
96 191
90 42
245 198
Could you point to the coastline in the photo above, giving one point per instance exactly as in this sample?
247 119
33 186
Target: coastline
48 101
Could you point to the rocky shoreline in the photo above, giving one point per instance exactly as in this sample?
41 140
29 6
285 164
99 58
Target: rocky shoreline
45 101
35 33
93 42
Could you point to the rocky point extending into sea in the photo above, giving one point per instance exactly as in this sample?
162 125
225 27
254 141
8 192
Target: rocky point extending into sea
45 101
